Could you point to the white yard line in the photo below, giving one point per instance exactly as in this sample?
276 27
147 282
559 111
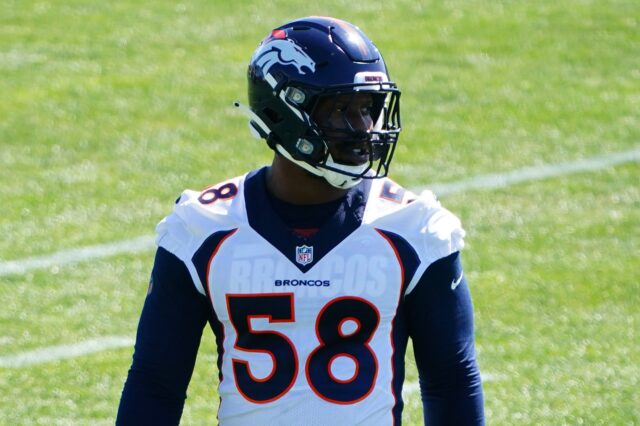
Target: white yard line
490 181
500 180
66 257
140 244
55 353
411 388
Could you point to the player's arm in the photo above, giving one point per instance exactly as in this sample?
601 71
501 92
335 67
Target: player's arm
440 322
167 342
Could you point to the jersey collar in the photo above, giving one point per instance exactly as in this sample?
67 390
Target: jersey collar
264 220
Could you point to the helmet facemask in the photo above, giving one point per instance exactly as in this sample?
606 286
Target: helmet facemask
350 131
359 129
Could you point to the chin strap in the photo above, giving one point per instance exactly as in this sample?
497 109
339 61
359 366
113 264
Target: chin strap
260 130
334 178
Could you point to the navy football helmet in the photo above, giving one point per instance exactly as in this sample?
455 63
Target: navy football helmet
319 66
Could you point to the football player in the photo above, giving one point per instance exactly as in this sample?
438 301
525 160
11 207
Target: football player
313 272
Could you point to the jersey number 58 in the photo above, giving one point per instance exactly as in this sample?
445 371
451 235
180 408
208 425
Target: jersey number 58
334 343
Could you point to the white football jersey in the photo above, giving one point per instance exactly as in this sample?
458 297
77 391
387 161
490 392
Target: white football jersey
306 325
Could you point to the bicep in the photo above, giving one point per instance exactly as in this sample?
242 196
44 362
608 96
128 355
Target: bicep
167 341
171 322
441 313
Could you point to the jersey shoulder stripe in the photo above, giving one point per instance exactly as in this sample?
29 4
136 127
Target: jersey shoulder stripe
432 230
197 215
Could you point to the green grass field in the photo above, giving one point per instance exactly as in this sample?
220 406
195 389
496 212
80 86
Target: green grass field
110 109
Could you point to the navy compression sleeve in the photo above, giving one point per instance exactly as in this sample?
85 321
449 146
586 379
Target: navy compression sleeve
169 332
440 323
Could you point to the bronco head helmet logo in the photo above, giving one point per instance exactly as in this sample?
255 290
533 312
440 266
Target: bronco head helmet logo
284 52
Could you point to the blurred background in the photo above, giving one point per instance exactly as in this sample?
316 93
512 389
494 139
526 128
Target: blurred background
522 116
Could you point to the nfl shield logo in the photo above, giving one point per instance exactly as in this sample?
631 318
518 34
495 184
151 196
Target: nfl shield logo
304 254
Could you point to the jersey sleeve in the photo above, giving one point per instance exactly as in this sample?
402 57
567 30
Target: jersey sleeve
195 218
440 323
435 233
167 341
179 232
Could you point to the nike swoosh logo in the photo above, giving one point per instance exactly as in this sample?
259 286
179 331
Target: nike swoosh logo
455 283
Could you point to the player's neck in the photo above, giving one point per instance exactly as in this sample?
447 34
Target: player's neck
289 182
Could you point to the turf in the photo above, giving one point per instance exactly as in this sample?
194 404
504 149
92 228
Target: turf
110 109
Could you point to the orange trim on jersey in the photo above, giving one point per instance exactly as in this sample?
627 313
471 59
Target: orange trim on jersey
208 271
345 381
226 191
395 192
393 348
354 319
395 251
210 293
273 358
305 232
323 344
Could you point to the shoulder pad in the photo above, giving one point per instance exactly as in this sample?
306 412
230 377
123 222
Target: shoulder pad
197 215
433 231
